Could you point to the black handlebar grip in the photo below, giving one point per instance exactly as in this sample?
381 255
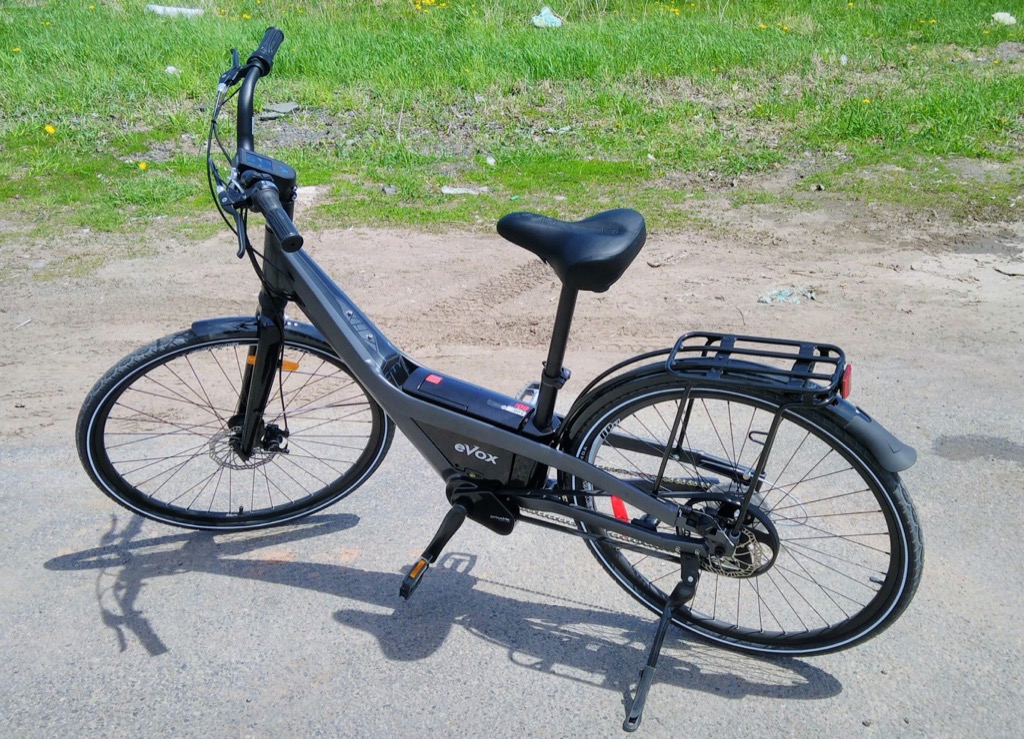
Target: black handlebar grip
268 203
264 54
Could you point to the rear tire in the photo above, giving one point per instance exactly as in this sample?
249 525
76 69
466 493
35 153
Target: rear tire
839 557
153 433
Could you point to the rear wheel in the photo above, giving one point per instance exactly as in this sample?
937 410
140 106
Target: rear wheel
155 433
831 550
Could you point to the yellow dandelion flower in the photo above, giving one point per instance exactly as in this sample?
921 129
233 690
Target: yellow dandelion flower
143 165
785 29
16 49
92 7
985 32
246 16
867 101
49 129
849 5
996 61
762 26
933 21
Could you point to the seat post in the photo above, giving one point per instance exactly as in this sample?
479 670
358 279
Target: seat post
554 376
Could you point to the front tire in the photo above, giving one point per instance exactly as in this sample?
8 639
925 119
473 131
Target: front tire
153 433
834 553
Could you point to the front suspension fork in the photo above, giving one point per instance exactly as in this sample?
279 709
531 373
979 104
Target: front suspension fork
258 379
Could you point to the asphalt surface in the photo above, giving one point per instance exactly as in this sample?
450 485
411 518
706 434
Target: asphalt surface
117 627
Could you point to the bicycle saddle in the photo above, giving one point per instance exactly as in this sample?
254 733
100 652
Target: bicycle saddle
586 255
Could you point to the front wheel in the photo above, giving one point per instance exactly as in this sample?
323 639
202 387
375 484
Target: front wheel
155 433
831 550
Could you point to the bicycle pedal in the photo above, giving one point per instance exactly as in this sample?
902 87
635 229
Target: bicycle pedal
412 580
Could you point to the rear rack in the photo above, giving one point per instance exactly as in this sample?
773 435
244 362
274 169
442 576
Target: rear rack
810 373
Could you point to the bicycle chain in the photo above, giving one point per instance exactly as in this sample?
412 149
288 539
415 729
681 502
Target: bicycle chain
571 523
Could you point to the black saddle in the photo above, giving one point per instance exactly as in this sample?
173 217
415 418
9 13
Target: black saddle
586 255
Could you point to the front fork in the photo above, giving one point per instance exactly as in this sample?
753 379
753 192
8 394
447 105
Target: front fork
258 380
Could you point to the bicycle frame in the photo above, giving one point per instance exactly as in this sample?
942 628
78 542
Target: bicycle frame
380 367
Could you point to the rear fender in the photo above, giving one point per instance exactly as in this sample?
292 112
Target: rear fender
892 454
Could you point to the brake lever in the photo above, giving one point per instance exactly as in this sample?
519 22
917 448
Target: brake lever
230 200
243 236
233 75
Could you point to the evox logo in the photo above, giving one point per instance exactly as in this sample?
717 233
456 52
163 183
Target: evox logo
475 451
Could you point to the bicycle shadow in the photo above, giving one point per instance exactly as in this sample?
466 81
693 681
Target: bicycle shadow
575 641
126 563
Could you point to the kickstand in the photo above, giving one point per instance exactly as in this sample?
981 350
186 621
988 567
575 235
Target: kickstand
451 522
681 595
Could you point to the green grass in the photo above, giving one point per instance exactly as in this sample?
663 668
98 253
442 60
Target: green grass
618 107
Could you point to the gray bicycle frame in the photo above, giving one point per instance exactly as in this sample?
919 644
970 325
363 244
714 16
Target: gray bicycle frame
369 354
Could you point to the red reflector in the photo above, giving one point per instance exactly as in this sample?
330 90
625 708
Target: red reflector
619 509
846 384
523 407
434 379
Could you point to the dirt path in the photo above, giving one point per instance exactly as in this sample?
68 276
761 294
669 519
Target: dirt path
885 286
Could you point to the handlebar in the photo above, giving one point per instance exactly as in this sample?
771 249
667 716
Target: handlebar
259 64
265 198
264 54
268 202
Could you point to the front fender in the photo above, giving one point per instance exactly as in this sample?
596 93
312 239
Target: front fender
892 454
246 326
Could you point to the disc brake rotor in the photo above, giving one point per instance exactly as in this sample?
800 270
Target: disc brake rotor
223 453
758 545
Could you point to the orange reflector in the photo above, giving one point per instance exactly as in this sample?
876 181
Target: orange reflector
846 384
418 568
286 364
619 509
